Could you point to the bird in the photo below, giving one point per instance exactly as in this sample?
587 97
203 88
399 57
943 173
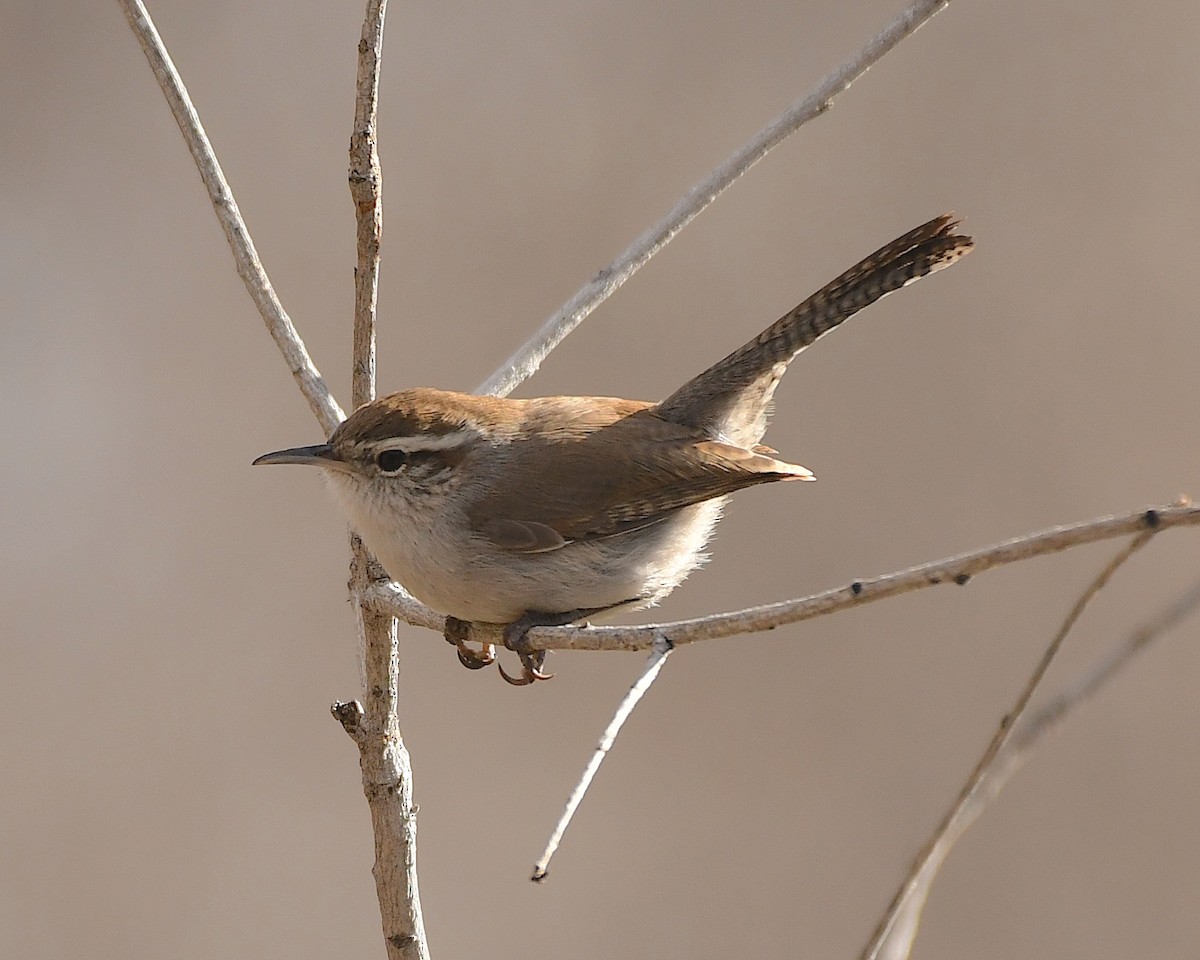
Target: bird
545 511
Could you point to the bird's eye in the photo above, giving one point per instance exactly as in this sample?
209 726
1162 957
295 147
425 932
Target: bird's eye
390 461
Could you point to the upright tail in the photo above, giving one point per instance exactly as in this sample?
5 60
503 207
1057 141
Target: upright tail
730 400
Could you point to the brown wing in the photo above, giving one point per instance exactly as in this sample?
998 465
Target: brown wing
603 474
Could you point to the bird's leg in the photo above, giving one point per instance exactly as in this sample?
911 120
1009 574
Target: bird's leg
455 633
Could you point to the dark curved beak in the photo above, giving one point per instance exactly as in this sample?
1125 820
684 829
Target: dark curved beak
319 455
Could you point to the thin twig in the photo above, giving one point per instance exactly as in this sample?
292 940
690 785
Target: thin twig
249 267
658 656
1051 715
953 570
386 768
525 362
898 944
916 884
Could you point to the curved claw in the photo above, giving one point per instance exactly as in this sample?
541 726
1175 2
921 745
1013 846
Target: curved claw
529 674
475 661
456 632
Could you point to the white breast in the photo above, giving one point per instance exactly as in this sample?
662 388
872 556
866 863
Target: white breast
424 545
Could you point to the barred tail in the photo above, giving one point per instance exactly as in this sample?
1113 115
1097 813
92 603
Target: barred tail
731 397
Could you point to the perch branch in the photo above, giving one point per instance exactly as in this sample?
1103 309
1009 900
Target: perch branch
249 267
900 922
389 598
525 362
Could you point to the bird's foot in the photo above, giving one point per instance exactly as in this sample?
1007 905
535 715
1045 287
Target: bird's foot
455 632
532 660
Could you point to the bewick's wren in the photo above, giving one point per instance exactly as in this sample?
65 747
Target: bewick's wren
543 511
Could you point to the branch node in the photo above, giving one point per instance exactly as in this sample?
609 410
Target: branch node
962 579
349 713
1152 519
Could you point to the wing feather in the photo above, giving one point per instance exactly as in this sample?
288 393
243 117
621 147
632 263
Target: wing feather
652 468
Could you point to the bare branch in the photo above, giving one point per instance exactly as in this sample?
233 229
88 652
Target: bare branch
366 187
249 267
386 768
525 362
658 656
388 597
387 781
898 919
898 944
1051 715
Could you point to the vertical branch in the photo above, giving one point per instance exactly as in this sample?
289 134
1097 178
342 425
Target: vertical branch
375 727
366 187
386 771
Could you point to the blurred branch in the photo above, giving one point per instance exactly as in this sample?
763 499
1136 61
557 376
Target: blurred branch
375 726
898 944
249 267
1101 673
389 598
525 362
893 938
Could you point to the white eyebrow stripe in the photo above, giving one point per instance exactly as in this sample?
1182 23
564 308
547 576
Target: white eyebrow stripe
427 442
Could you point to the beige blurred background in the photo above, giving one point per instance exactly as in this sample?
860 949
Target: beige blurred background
174 623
